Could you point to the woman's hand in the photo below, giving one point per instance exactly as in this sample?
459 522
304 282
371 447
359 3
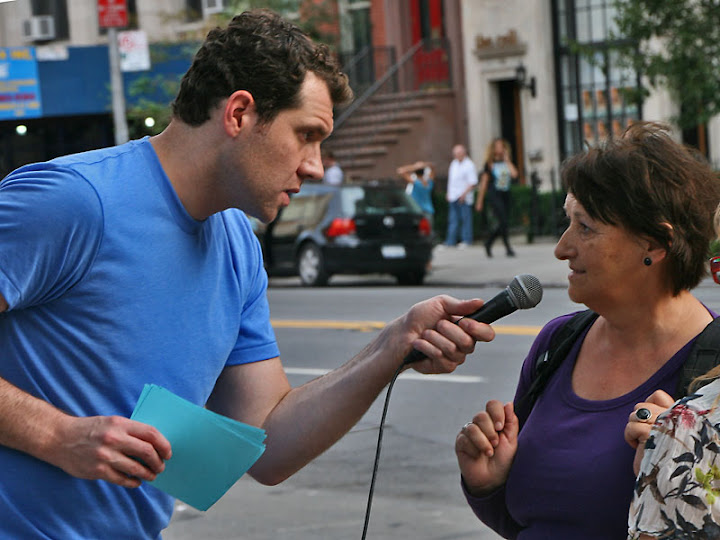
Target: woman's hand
486 447
637 430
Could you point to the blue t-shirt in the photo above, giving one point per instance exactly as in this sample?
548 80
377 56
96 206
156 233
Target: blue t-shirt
423 193
111 284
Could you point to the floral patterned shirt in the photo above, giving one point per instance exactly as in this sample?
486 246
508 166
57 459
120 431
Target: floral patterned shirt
677 493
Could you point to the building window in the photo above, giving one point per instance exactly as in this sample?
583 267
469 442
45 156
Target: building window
57 9
592 84
196 10
359 12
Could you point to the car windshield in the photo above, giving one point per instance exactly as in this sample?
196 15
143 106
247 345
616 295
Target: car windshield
385 200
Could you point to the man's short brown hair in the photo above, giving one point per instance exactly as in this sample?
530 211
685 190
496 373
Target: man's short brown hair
262 53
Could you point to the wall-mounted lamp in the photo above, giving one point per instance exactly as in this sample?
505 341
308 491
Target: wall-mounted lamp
521 77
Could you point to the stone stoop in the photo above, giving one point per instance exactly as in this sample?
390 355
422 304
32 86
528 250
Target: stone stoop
376 130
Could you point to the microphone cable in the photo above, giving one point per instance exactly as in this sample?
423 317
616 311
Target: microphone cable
524 292
377 450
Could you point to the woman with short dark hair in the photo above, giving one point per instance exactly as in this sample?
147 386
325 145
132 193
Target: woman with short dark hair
640 212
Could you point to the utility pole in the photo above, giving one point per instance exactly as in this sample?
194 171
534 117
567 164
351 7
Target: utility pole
118 91
112 14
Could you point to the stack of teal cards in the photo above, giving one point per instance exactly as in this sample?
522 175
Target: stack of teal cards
210 452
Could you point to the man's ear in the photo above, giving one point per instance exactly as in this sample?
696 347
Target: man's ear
239 112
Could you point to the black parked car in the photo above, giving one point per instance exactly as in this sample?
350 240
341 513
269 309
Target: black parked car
349 229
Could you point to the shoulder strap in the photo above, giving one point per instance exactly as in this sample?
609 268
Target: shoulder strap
550 360
704 355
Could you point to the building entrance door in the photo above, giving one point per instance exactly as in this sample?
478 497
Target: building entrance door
511 122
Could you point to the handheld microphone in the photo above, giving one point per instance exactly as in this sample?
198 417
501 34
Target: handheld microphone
524 292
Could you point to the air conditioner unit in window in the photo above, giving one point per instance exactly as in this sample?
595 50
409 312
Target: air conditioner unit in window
39 28
212 6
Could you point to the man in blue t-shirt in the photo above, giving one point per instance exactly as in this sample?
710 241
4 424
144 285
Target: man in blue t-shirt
136 264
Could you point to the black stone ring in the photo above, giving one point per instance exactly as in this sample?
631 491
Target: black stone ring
643 414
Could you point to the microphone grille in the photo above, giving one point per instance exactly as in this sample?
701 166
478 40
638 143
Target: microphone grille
526 291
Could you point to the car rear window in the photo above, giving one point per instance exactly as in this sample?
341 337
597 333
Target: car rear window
365 200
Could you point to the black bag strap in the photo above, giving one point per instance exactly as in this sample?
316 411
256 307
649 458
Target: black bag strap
548 361
704 355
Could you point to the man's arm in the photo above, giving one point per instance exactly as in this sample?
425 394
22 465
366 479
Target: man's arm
100 447
303 422
480 201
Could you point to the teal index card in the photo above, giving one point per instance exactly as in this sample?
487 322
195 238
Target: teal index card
210 452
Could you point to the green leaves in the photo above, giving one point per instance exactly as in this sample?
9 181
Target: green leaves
676 45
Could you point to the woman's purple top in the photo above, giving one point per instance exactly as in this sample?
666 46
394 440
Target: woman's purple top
572 476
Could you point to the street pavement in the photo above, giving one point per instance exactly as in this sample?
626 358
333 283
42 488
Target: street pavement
290 510
470 266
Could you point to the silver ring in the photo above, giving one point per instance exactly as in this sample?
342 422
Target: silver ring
466 426
643 414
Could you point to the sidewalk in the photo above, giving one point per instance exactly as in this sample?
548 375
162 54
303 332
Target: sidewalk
453 267
472 267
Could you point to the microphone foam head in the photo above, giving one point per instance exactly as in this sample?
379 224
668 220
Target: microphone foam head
525 291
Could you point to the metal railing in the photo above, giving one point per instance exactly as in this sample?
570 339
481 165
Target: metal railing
364 67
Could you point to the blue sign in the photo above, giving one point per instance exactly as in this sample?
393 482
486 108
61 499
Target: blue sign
19 84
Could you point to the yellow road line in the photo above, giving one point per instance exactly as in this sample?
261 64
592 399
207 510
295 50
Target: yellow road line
517 330
363 326
368 326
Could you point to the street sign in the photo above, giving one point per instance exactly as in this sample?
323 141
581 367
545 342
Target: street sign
112 13
134 51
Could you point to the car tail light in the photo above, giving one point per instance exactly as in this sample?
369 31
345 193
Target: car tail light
341 227
424 227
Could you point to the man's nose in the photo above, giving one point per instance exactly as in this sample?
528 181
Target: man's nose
312 167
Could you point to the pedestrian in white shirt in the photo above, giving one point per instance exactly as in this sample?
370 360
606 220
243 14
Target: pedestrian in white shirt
333 173
462 179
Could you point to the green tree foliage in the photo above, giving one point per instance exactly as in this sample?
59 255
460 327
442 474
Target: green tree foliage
676 45
152 93
156 108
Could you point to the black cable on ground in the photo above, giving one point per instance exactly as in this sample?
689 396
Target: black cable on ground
377 451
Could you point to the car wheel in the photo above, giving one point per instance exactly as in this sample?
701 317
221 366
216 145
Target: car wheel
311 267
411 277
